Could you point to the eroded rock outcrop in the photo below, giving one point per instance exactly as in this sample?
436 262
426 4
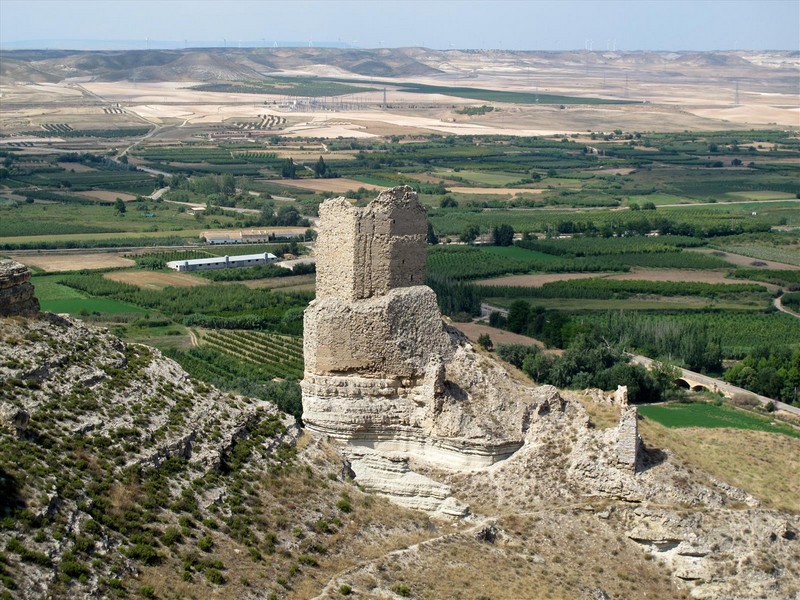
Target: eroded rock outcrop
16 291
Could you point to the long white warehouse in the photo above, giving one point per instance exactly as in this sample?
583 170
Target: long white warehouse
223 262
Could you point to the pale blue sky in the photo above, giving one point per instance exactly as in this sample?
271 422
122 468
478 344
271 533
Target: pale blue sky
517 25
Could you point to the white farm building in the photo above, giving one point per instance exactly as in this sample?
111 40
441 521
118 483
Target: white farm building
223 262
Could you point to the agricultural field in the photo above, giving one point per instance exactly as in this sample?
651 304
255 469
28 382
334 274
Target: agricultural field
664 228
61 262
153 280
738 332
58 298
280 353
713 416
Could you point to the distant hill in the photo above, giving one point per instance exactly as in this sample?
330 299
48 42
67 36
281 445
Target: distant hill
210 64
249 64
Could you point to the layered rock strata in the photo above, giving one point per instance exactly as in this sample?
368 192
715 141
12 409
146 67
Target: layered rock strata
16 291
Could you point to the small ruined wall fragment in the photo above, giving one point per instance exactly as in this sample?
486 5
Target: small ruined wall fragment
16 291
628 442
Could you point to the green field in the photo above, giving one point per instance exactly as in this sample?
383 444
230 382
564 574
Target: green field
759 196
711 416
482 178
650 303
58 298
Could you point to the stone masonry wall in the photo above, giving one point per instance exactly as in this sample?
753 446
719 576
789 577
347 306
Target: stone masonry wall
628 442
365 252
16 291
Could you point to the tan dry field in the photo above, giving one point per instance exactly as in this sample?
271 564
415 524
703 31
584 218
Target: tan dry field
77 167
764 464
338 185
300 155
153 280
674 87
73 262
496 191
499 336
108 196
688 275
294 283
536 280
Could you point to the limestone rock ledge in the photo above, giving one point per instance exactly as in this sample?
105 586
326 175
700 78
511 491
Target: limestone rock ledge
389 474
16 291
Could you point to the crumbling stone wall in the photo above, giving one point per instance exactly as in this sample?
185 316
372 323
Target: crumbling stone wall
628 442
365 252
16 291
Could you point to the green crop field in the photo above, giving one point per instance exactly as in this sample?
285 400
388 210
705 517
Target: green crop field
738 332
475 262
711 416
281 354
20 222
58 298
482 178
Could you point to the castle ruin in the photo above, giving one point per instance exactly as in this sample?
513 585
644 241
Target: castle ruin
383 372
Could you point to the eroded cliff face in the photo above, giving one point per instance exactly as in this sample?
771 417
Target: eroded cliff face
16 291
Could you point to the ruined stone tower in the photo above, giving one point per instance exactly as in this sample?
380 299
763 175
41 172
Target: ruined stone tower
365 252
372 315
382 369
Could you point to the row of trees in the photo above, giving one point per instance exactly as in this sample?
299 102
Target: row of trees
590 361
772 372
692 345
320 168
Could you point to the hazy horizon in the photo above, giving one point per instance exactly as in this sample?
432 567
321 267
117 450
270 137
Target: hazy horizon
657 25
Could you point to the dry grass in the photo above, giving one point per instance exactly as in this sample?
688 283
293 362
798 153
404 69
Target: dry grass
499 336
550 555
604 416
73 262
496 191
764 464
536 280
744 261
108 196
297 283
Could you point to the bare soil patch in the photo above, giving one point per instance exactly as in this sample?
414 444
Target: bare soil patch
338 185
498 336
154 280
108 196
73 262
536 280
